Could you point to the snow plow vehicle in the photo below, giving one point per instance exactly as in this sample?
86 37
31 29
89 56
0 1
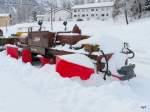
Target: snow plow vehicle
71 60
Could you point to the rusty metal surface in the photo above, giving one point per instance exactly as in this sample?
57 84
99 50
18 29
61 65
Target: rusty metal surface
4 41
38 50
99 58
47 39
70 39
41 39
99 64
42 43
59 52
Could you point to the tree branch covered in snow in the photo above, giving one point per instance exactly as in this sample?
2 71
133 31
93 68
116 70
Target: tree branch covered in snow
134 8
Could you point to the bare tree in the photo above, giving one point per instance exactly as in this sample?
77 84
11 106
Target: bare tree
66 4
116 9
50 4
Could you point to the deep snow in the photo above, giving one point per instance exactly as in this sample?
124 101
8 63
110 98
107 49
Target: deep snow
65 95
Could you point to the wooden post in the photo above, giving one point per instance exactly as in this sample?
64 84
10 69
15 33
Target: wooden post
126 13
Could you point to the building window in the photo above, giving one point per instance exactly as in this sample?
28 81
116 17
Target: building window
96 9
96 14
75 15
78 10
102 15
83 15
78 15
75 10
87 15
107 14
102 9
83 10
92 9
92 15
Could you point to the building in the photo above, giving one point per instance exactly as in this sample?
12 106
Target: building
62 14
100 11
5 20
42 18
57 15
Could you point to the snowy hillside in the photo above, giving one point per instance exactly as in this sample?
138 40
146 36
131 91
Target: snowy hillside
27 88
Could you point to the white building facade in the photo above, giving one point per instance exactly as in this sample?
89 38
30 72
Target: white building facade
57 15
98 11
42 18
62 15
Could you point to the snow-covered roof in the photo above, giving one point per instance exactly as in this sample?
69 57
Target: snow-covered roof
74 58
58 9
40 15
4 15
92 5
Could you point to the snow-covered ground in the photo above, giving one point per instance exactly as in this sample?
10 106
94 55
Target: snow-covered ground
26 88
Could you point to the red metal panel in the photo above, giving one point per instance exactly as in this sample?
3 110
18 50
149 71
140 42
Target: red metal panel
26 56
13 52
68 69
44 60
8 50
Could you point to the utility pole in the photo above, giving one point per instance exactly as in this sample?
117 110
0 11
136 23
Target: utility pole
51 15
6 25
139 3
126 13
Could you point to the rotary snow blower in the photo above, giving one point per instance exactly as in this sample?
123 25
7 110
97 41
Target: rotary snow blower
126 72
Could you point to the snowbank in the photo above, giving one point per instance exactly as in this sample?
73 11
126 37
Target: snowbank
79 59
63 95
74 95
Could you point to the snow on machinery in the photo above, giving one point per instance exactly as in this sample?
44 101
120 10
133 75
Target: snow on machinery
51 45
126 72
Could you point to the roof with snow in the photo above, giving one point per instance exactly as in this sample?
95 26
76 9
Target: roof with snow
92 5
4 15
59 9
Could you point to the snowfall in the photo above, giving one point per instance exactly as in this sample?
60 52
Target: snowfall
25 88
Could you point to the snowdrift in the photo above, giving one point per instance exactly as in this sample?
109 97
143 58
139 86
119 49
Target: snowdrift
74 95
